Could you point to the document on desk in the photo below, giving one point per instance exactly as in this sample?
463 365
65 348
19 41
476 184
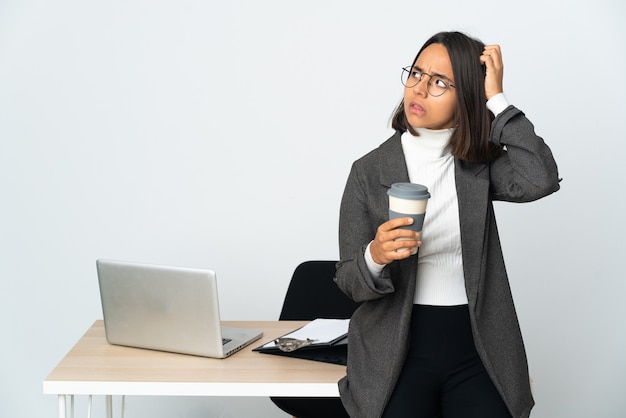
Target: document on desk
322 339
320 331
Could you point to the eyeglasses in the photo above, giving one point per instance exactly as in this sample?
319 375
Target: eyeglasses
437 85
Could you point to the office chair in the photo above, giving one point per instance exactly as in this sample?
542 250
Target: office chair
313 293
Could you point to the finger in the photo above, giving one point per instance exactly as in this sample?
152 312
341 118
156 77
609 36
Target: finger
403 234
388 251
385 239
493 54
492 47
395 223
385 249
402 249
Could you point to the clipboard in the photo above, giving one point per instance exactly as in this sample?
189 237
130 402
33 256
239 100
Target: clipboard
329 342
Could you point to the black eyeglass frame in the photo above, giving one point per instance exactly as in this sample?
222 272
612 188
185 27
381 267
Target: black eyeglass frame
410 69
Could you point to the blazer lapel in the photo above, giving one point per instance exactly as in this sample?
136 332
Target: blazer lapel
472 185
392 162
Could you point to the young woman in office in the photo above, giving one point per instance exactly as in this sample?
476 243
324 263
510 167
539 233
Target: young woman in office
438 335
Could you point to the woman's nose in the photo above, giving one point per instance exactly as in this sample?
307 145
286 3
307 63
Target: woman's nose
422 86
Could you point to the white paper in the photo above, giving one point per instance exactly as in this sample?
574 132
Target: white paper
321 330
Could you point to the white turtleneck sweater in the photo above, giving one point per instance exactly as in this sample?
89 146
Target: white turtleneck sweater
440 278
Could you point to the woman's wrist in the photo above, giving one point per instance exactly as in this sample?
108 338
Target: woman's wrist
374 268
497 104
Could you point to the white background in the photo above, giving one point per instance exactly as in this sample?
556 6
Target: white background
220 135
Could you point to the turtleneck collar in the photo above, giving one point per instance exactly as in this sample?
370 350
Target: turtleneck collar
431 143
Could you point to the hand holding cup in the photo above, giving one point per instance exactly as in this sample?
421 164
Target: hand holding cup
408 200
393 242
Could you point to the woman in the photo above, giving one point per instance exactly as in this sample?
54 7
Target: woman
438 335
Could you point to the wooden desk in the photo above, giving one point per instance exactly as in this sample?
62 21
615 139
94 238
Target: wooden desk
95 367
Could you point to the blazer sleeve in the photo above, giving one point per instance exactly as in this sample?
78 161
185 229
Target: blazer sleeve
358 220
526 170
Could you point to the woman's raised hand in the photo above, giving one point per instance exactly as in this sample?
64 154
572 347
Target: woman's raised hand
492 59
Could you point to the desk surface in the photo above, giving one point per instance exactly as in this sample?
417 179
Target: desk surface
93 366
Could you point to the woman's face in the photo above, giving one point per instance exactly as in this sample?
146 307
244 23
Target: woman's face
421 108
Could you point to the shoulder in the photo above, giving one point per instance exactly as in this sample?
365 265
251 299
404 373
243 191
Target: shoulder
382 166
388 149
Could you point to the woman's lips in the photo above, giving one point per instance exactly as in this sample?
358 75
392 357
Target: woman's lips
417 109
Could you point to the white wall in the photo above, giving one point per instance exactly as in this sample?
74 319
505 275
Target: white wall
220 135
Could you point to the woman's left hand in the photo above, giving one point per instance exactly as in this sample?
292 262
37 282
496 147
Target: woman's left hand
492 59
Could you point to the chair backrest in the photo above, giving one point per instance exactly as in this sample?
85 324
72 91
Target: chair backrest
313 293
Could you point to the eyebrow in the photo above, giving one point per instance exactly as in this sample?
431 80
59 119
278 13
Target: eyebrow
415 67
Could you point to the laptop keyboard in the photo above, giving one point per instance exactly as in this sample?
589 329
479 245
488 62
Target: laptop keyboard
226 341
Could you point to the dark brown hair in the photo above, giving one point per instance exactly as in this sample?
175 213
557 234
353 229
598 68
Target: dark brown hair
470 140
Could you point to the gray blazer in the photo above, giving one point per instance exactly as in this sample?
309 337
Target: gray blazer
378 335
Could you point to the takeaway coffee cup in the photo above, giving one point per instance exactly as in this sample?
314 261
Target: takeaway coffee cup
408 200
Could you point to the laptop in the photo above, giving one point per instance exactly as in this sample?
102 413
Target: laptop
166 308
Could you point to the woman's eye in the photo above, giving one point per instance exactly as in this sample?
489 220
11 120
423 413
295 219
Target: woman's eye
440 82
